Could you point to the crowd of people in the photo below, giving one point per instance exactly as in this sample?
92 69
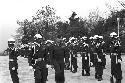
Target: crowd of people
61 55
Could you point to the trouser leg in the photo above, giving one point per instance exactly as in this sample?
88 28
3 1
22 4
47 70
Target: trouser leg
29 60
40 75
118 81
67 64
99 72
87 71
59 74
14 76
74 64
39 80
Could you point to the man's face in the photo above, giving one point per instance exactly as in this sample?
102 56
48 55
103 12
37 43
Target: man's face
11 45
39 40
48 44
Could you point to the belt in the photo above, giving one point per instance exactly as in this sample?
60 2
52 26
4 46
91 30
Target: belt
95 53
84 52
114 54
40 59
11 60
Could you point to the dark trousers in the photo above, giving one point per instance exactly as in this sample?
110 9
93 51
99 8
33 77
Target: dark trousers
59 72
85 64
30 60
98 70
103 61
59 77
39 81
92 58
14 76
40 72
67 63
116 71
74 63
40 75
118 81
14 73
85 67
112 80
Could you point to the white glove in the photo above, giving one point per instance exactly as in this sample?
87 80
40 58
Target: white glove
48 66
99 60
30 68
13 68
119 60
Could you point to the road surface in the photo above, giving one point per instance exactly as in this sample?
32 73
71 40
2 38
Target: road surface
26 75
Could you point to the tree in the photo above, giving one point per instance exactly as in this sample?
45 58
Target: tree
77 26
42 23
95 23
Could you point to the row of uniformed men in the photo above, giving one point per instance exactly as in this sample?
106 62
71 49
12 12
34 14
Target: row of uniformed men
94 53
54 55
39 57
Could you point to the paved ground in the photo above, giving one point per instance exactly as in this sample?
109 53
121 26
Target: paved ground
26 75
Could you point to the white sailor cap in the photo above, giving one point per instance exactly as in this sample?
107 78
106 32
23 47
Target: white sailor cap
38 36
64 38
72 38
49 41
101 37
113 34
84 37
91 37
95 36
11 39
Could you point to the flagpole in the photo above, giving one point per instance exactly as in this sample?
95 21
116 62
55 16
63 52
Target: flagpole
118 20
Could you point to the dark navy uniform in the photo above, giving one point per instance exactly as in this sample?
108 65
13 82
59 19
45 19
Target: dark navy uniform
115 64
74 58
49 52
58 62
30 53
85 60
41 71
99 62
92 53
67 61
13 65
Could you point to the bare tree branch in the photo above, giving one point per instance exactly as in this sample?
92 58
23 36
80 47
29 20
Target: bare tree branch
121 3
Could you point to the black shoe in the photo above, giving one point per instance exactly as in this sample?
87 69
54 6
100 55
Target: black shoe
83 74
88 74
104 67
67 68
74 71
111 79
100 79
96 77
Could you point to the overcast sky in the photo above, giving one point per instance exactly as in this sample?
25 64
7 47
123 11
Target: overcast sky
13 10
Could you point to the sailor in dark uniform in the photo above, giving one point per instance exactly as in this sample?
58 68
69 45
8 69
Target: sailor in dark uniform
58 61
73 53
13 65
67 54
115 51
99 60
30 52
67 61
41 71
92 51
85 58
49 51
